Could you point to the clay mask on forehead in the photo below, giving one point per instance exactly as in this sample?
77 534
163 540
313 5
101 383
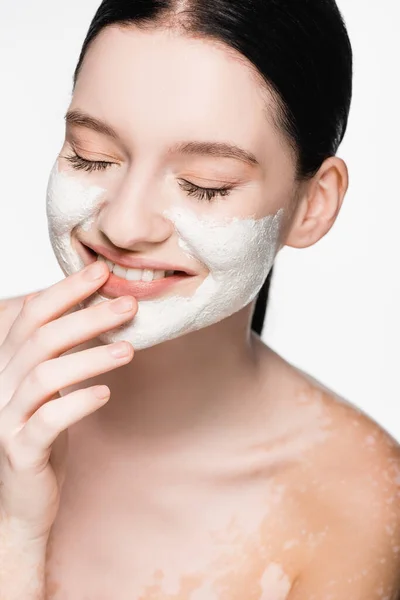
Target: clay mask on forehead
238 253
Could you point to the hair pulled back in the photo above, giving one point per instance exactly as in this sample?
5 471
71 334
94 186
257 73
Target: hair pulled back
300 49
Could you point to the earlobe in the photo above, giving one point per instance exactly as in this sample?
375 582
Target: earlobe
319 205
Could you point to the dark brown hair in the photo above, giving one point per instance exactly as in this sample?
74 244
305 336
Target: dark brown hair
300 48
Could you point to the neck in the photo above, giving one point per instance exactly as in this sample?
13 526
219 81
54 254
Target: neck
199 383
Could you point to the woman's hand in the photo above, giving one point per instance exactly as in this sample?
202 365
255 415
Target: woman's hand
34 418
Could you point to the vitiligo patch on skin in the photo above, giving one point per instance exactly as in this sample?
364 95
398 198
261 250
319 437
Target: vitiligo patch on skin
234 556
275 583
238 253
246 539
232 559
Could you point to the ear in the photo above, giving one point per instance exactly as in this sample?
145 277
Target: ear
319 204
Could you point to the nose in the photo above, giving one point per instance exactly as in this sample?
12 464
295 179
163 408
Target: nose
133 216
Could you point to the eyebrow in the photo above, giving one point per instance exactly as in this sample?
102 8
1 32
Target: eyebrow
216 149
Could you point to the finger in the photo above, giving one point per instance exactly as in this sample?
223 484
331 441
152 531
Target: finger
49 377
56 337
31 448
51 304
30 297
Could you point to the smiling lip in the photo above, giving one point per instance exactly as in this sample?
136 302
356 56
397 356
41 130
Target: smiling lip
141 290
136 263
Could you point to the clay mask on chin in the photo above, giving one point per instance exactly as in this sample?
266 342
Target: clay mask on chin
238 253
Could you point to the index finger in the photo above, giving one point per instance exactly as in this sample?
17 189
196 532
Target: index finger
51 303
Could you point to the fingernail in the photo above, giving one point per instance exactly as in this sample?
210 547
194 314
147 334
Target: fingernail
101 392
122 305
120 351
95 271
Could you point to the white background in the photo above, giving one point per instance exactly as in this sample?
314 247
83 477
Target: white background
334 309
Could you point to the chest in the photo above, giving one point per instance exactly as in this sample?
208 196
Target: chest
220 550
166 570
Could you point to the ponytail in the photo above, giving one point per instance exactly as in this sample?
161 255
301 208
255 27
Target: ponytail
261 305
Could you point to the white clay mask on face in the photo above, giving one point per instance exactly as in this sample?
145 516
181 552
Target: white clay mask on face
238 253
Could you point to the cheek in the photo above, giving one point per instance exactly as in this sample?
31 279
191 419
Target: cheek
69 201
231 245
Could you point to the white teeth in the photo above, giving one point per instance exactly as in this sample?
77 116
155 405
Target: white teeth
134 274
147 275
159 275
120 271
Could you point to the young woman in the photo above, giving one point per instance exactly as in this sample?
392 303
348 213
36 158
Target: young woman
201 138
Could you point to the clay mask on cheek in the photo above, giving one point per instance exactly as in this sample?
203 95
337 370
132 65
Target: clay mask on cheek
238 253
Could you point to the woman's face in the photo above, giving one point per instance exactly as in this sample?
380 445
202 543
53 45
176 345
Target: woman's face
149 123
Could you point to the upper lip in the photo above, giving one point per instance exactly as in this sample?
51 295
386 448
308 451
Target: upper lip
131 262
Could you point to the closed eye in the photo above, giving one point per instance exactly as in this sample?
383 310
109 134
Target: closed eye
82 164
205 193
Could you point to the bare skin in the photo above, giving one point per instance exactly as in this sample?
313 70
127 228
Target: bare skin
216 471
234 518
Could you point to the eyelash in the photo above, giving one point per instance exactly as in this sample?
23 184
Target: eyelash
200 193
80 163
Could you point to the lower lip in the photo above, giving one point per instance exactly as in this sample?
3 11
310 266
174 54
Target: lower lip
141 290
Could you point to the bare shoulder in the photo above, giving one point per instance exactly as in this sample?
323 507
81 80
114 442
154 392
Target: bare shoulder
349 493
326 431
336 429
338 515
354 439
353 453
352 505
